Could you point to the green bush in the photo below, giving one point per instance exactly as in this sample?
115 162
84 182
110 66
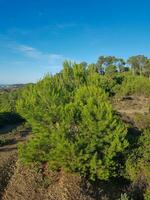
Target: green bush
134 85
8 113
124 197
74 126
8 101
3 142
142 121
138 166
147 194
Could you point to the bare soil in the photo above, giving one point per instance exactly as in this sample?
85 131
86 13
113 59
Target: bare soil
129 107
133 104
8 154
29 184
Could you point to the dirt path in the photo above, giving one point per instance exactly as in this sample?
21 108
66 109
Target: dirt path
132 111
8 154
132 106
7 166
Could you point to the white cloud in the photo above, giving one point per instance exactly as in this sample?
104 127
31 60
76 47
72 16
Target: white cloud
39 56
28 51
26 63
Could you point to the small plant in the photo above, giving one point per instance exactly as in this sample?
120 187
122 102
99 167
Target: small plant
147 194
124 197
134 85
4 141
142 121
137 165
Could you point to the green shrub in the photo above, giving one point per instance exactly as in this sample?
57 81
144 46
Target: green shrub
8 101
4 141
124 197
8 113
74 126
147 194
134 85
142 121
138 166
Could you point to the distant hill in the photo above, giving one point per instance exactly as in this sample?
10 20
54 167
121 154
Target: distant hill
11 85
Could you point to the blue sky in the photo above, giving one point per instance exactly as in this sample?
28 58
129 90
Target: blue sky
36 36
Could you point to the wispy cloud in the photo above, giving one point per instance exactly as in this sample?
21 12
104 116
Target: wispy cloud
28 51
39 56
28 56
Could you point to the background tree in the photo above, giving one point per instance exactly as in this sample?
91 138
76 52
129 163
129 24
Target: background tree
111 69
104 62
110 62
146 70
137 64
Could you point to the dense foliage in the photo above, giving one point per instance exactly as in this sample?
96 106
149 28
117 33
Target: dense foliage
138 163
7 100
74 124
8 113
134 85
